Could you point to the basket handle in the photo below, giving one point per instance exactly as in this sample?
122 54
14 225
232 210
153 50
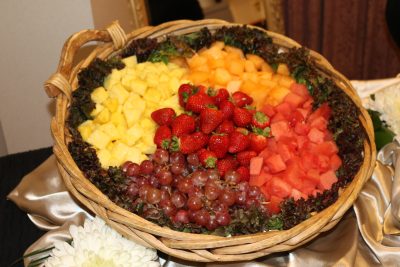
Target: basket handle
58 82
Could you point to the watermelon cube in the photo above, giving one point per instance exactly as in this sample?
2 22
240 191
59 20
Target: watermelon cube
275 163
256 164
327 179
316 136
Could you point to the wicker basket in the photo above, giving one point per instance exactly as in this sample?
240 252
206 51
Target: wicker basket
194 247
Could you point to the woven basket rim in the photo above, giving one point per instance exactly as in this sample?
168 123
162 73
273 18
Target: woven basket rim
197 247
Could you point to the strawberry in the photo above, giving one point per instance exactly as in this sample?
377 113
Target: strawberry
244 173
241 117
226 164
162 137
210 119
184 91
241 99
198 102
200 140
163 116
207 158
244 157
226 127
227 108
221 95
189 143
260 120
238 142
257 142
219 144
183 124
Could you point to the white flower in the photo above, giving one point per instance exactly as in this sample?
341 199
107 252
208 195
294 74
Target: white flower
97 245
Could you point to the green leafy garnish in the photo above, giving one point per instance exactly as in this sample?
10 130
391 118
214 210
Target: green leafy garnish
383 135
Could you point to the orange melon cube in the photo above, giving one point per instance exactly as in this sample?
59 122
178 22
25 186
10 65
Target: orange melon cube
218 45
266 67
234 51
259 95
222 76
233 86
257 60
283 69
278 93
265 75
235 66
268 83
249 66
252 76
286 81
216 63
248 86
203 68
196 61
198 77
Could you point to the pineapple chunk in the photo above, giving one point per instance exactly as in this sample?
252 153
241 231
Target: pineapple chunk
111 104
86 128
119 151
99 95
104 157
132 135
99 139
152 79
145 148
102 117
152 95
130 62
112 79
99 108
118 119
148 125
133 109
110 130
118 91
134 155
138 86
173 85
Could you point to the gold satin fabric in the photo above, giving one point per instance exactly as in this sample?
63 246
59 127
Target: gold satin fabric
368 234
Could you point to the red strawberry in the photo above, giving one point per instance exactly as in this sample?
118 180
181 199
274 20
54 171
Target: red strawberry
260 120
244 157
207 158
257 142
198 102
210 119
183 124
200 140
244 173
226 127
163 116
222 95
241 117
189 143
219 144
241 99
227 108
226 164
162 137
238 142
184 91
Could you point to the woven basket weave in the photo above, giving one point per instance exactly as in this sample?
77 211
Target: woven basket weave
194 247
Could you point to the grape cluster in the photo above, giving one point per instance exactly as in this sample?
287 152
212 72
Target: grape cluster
177 186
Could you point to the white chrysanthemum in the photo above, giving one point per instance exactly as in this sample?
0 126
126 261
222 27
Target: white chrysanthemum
387 102
97 245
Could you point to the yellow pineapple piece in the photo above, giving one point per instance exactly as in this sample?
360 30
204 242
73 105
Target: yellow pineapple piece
99 139
98 108
86 128
119 151
152 79
134 155
138 86
146 148
132 135
112 79
102 117
112 104
110 129
133 109
152 95
99 95
173 85
130 62
104 157
117 118
118 91
148 124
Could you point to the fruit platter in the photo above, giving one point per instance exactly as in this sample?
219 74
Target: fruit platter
207 140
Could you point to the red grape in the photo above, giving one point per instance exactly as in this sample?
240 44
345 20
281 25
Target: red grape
219 207
241 197
153 196
254 191
143 190
212 174
164 177
132 191
125 166
212 192
199 178
194 203
153 181
178 199
227 197
223 218
193 159
232 177
146 167
168 207
185 185
133 170
177 157
212 224
202 217
181 216
161 156
177 168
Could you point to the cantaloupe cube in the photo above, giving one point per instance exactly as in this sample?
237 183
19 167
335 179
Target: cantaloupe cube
197 77
99 95
222 76
265 75
234 51
268 83
233 86
286 81
235 66
249 66
266 67
259 95
252 76
202 68
215 63
279 93
283 69
257 60
218 45
196 61
248 87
